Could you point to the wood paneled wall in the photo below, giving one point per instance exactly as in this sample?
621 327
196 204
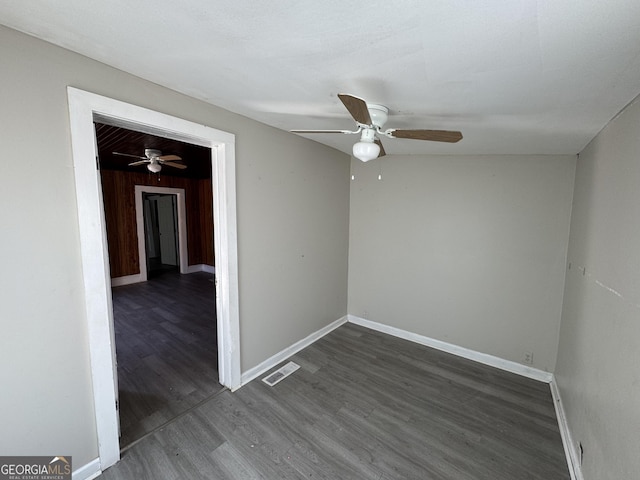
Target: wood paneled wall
118 189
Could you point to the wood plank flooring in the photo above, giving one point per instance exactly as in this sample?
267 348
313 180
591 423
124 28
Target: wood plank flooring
363 405
166 349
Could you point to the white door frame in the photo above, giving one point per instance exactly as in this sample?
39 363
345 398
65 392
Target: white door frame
84 108
183 247
183 251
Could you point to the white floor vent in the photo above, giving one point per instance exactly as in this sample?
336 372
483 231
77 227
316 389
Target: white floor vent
280 374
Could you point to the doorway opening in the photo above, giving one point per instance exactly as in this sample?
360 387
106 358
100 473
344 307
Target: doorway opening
84 109
163 298
160 214
152 237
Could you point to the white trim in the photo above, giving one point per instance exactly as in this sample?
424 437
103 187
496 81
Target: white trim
95 271
126 280
467 353
201 267
225 236
88 471
183 252
84 108
137 278
573 459
271 362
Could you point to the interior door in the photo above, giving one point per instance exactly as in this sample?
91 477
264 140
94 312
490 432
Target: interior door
167 225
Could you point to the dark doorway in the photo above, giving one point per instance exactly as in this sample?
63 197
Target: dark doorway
161 233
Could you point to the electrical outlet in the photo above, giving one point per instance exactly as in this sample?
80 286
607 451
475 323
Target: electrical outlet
365 315
528 358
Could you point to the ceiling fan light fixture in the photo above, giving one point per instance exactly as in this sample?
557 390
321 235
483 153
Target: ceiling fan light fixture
154 167
366 151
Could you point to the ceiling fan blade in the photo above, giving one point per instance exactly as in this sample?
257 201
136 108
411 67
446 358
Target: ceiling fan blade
379 143
433 135
176 165
128 155
169 158
357 108
141 162
324 131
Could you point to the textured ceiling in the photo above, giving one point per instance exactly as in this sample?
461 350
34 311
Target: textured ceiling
515 76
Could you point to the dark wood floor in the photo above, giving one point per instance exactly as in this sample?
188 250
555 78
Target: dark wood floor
363 405
166 349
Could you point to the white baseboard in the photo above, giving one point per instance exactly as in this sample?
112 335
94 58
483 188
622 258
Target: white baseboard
126 280
201 267
480 357
137 278
271 362
88 471
573 459
208 268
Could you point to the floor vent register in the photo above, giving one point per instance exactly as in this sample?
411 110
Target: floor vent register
280 374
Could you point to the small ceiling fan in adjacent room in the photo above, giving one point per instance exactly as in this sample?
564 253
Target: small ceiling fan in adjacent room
154 160
370 119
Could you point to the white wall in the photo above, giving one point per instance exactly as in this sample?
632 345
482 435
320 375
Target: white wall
598 369
293 221
466 250
292 209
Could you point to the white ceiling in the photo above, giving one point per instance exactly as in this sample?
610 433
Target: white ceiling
515 76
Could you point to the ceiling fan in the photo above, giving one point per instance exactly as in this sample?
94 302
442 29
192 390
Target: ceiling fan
370 119
154 160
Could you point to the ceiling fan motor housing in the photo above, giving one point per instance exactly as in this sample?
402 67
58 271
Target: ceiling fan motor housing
378 113
152 152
